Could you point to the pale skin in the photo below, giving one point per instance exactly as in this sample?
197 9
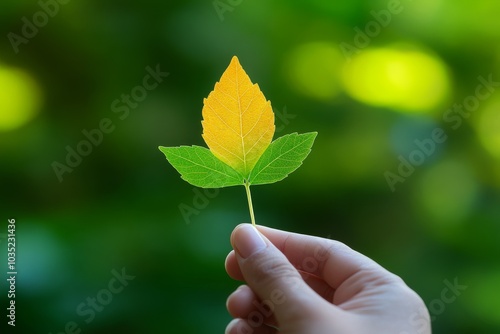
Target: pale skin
300 284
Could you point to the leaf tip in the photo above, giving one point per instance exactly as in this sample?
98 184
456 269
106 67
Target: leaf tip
235 60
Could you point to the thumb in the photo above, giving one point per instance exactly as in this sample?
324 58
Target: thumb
273 278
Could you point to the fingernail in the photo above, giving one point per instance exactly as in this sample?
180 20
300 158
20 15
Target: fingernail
247 240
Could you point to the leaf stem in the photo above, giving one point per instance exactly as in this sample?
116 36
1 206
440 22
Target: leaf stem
249 197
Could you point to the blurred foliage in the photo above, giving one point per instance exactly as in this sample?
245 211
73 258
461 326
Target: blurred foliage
370 102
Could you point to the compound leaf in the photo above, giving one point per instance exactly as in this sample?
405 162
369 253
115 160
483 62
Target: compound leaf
238 127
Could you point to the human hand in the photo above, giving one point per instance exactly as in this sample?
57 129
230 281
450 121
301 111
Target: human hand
300 284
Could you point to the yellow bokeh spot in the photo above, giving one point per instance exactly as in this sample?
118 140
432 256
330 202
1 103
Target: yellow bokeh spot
405 80
19 98
488 127
314 70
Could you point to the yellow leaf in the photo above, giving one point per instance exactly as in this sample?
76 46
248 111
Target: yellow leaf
238 121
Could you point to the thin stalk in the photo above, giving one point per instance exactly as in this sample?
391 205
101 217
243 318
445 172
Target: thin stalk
250 206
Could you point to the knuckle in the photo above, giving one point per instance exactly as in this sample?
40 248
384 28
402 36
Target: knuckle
270 269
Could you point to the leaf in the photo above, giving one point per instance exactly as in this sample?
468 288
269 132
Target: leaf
281 158
198 166
238 121
238 126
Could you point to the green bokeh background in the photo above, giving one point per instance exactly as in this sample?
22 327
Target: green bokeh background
119 208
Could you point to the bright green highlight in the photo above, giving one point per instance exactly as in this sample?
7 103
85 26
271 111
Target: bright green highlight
404 79
314 70
19 98
488 126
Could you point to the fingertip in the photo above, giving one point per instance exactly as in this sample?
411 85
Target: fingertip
240 301
247 240
232 267
234 232
229 258
232 326
238 326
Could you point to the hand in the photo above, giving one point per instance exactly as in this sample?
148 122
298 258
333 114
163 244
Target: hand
299 284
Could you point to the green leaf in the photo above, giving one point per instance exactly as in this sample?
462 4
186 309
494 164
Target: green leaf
198 166
281 158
